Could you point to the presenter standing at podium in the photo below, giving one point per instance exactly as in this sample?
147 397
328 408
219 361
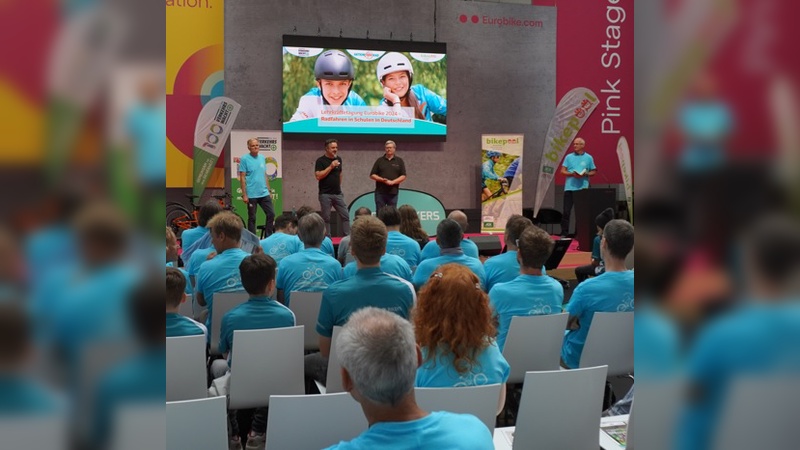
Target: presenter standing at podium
577 167
388 172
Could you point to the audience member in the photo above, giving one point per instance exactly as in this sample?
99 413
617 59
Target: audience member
210 209
432 250
379 362
369 287
531 293
398 243
282 242
411 226
505 267
310 270
596 267
326 245
455 329
343 252
449 237
172 257
391 264
609 292
178 325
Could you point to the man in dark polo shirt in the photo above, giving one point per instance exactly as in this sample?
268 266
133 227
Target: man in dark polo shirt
328 171
388 172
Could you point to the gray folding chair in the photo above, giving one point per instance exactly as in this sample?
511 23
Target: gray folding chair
327 420
223 302
561 409
265 362
34 431
610 343
140 426
186 368
333 382
480 401
197 424
305 306
534 344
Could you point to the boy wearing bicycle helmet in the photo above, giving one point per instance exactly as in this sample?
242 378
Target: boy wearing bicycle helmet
396 76
487 172
334 73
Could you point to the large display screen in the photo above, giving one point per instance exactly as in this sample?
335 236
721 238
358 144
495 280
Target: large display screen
337 86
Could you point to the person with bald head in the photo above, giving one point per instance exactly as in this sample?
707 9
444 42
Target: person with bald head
577 167
432 250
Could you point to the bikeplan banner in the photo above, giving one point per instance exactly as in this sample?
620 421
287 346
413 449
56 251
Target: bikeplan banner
571 113
269 145
501 180
624 155
214 124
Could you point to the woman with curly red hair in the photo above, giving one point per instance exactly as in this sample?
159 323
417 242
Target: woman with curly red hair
454 327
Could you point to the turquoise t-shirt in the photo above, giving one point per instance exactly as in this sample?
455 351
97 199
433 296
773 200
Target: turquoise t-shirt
327 246
609 292
220 274
190 236
188 288
578 163
437 430
178 325
426 268
391 264
432 250
255 175
525 295
403 246
257 313
596 249
279 245
369 287
311 270
23 396
501 268
490 368
147 128
198 257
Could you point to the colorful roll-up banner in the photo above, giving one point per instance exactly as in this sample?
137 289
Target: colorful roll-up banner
501 180
571 113
213 127
269 145
624 155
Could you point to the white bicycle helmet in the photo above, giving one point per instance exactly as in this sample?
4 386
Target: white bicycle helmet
394 62
333 65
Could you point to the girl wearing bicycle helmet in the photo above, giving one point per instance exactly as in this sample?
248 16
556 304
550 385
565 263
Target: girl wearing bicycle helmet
396 76
334 74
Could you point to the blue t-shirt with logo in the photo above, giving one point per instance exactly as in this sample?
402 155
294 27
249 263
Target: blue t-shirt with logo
178 325
369 287
578 163
220 274
403 246
327 246
279 245
257 313
490 367
437 430
198 258
609 292
432 250
190 236
255 175
501 268
426 268
525 295
391 264
311 270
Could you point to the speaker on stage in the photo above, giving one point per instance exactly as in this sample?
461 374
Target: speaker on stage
487 245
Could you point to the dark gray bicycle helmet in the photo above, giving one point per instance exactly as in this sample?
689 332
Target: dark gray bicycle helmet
333 65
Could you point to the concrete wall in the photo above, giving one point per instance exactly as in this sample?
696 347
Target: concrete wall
501 79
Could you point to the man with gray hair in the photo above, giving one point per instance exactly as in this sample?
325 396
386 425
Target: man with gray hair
388 172
310 270
449 238
432 249
379 358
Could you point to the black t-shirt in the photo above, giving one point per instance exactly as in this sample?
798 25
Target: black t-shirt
332 184
389 169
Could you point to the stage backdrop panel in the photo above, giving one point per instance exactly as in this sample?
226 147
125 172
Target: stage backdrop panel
501 79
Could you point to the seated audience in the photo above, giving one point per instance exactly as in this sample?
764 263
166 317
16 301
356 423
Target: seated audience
172 257
178 325
210 209
282 242
596 267
398 243
505 267
449 237
432 250
379 362
326 245
343 252
391 264
411 226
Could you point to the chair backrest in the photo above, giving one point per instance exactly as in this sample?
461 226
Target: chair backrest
333 381
186 368
223 302
480 401
35 431
198 424
534 344
305 306
139 426
658 403
186 308
330 417
265 362
610 343
560 409
629 432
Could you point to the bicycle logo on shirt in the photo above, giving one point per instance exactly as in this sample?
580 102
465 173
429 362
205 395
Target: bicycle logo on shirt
627 303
